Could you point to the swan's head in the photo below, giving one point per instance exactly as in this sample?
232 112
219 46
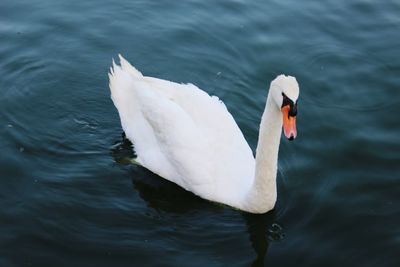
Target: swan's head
285 92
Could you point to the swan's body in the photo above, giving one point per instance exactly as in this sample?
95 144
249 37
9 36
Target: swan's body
189 138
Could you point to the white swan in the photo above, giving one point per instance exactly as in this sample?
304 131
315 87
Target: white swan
188 137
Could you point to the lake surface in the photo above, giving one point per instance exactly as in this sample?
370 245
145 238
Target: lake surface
68 199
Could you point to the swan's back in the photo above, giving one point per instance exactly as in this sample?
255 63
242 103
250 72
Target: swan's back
182 134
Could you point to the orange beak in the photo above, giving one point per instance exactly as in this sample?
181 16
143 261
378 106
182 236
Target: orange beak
289 123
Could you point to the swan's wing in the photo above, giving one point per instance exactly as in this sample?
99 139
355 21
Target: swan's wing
226 143
202 140
195 135
180 139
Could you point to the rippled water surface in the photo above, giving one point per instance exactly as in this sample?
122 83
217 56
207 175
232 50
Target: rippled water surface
68 199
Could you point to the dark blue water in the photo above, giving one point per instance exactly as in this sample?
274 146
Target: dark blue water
68 198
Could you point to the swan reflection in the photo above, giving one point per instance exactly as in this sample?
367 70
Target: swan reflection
164 196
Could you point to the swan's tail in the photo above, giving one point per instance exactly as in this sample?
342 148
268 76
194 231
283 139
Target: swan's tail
120 78
124 81
126 66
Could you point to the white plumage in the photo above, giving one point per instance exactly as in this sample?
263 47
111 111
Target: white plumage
186 136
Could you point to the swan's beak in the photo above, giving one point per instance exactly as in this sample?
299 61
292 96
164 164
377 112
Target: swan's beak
289 123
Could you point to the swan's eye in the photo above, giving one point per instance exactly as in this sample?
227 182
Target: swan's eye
286 101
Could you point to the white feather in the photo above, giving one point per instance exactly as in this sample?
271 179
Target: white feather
184 135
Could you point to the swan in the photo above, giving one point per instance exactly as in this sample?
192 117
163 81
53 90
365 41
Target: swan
188 137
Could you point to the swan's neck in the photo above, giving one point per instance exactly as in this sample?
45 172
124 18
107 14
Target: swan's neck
262 195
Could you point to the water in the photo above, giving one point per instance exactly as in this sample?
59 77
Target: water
67 198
